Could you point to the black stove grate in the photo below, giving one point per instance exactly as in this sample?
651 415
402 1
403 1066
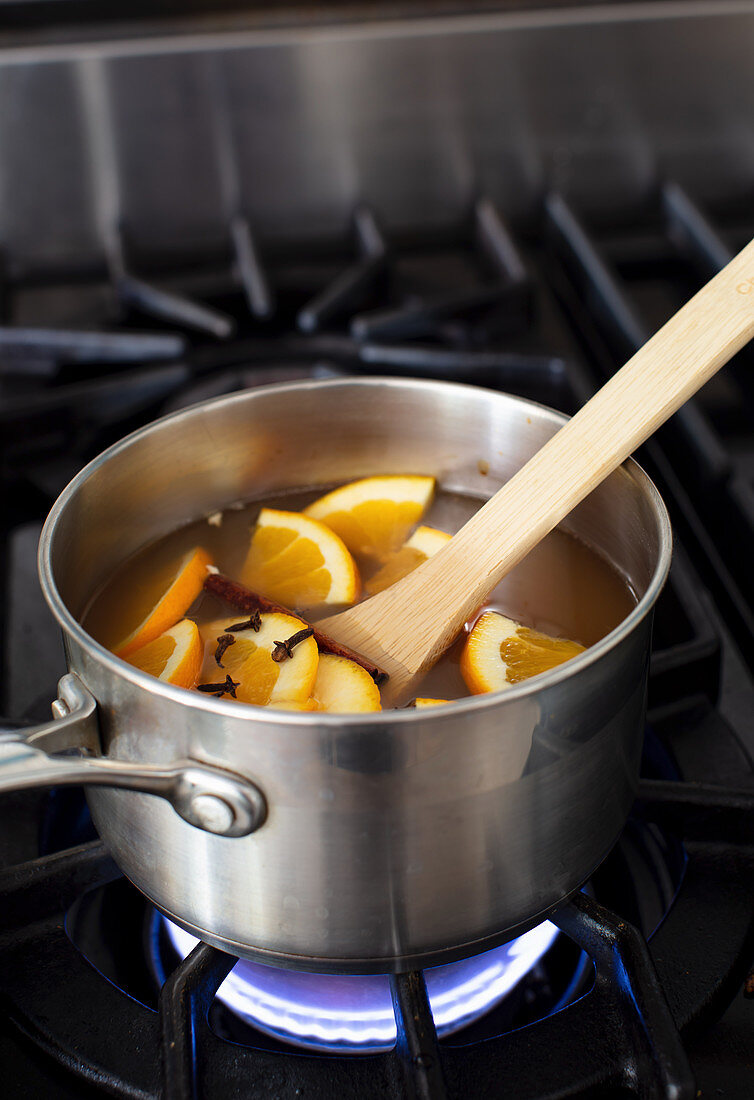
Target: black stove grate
716 478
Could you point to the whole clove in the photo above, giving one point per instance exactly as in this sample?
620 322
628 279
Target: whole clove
284 650
227 688
253 623
223 641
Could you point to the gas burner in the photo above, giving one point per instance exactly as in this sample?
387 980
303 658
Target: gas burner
353 1014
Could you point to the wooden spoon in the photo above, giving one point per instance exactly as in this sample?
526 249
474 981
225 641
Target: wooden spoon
405 628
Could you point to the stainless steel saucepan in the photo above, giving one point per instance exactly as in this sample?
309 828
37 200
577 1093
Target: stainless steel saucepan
360 842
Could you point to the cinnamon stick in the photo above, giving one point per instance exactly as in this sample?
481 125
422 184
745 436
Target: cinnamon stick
245 600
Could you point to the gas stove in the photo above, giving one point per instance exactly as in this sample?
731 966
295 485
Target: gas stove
80 944
640 984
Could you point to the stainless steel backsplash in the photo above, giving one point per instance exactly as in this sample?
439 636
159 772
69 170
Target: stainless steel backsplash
169 135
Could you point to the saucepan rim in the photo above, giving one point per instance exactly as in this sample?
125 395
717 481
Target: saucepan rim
249 712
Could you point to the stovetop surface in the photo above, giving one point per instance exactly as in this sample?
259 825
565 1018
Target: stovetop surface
548 313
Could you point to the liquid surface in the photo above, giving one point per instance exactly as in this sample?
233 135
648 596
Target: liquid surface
562 588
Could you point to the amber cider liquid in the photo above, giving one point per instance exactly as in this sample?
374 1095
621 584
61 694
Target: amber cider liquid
563 587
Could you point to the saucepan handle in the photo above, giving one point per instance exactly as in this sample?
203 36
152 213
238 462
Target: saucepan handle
209 798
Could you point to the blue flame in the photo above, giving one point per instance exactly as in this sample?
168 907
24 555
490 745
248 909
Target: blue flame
354 1013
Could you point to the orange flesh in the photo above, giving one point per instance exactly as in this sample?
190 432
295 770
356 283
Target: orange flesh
287 567
530 653
256 671
162 601
376 527
153 657
299 561
404 562
175 657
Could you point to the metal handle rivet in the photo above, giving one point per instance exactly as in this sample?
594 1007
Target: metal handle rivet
212 813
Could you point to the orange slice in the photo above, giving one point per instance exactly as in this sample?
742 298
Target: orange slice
175 657
375 515
288 704
165 600
299 562
425 702
424 542
500 652
248 661
343 687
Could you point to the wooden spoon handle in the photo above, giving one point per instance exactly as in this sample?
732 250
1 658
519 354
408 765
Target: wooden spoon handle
408 625
679 359
652 385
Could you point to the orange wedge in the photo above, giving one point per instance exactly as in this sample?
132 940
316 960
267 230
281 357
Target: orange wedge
424 542
299 562
425 702
165 600
375 515
343 687
248 661
500 652
175 657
